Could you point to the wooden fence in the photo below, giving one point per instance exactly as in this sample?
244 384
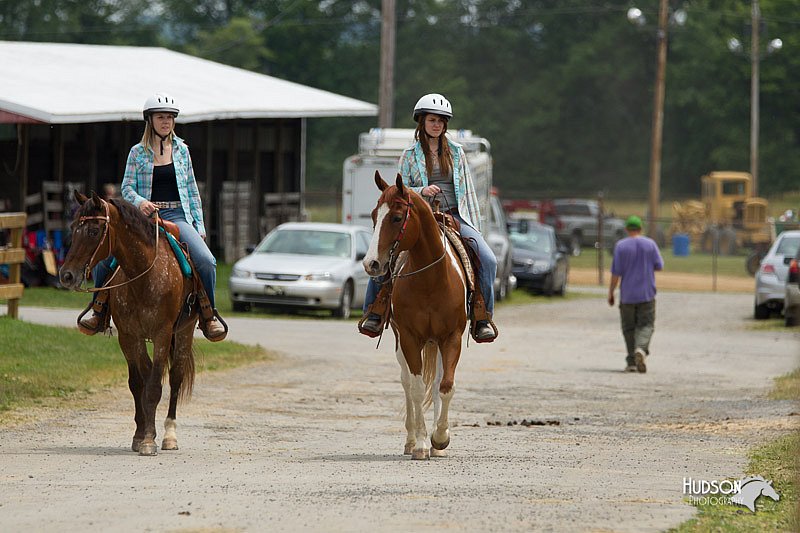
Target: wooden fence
13 255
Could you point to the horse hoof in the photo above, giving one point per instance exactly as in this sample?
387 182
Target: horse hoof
135 444
408 449
169 444
438 445
421 454
148 448
438 453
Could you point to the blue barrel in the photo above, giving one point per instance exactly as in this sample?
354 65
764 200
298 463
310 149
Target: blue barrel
680 245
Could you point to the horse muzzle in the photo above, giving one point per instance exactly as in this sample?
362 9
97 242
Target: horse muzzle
70 279
375 268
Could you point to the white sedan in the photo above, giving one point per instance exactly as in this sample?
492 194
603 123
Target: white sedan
304 265
772 274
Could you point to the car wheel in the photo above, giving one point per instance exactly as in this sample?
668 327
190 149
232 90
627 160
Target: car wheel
562 290
547 286
761 312
791 316
345 302
575 244
240 307
752 262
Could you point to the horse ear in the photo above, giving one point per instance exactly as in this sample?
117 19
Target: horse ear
96 199
79 196
399 182
382 185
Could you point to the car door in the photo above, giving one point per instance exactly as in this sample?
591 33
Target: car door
360 275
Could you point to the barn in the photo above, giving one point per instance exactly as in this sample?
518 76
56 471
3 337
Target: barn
69 114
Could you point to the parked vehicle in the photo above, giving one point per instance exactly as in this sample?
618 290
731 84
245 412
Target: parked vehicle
773 273
496 235
576 223
540 263
380 149
791 300
304 265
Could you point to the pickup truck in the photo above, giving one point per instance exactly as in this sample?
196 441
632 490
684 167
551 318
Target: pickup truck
575 222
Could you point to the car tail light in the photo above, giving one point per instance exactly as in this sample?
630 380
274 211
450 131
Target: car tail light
793 271
767 268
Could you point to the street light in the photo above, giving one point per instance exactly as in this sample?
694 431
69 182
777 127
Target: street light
735 45
677 17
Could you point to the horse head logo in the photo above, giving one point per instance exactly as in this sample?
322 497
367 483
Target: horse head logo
751 488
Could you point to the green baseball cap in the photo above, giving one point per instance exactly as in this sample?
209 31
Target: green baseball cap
633 222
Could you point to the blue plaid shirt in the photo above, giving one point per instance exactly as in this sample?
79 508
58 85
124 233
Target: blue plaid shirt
412 168
137 184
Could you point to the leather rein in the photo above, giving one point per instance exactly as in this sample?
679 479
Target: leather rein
396 243
87 269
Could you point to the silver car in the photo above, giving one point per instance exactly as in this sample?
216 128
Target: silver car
791 305
304 265
772 274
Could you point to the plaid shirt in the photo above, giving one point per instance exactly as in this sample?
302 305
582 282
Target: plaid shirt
137 184
412 168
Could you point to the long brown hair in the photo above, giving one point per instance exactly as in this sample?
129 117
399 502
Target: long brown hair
445 155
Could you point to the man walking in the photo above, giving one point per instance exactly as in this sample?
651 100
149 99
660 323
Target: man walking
636 258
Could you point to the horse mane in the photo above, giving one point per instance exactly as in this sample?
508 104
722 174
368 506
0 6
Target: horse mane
137 221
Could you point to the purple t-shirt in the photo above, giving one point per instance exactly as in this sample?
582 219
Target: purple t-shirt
635 261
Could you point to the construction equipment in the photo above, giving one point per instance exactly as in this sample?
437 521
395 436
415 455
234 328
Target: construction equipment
728 216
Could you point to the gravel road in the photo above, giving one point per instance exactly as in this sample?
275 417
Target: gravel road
313 441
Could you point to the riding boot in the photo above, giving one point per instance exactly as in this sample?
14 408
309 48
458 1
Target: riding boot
211 324
373 321
481 327
99 319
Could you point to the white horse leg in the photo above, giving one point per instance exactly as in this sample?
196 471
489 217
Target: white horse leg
440 438
170 441
437 408
421 450
405 379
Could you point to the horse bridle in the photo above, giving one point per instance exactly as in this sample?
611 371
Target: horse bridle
396 243
107 220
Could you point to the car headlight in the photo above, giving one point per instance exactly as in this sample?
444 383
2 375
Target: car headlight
241 273
318 276
540 265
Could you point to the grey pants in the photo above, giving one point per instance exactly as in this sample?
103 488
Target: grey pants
638 323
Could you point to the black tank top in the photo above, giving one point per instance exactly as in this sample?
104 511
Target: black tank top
165 184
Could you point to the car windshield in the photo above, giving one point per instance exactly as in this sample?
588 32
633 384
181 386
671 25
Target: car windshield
306 242
788 246
535 240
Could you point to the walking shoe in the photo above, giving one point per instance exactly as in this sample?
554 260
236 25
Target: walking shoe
630 368
214 330
484 332
372 323
89 325
640 357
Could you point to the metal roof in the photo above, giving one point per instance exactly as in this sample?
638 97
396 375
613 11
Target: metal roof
70 83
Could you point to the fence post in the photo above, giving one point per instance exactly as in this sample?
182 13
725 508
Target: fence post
13 255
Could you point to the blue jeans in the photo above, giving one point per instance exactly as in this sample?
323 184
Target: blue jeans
486 274
202 257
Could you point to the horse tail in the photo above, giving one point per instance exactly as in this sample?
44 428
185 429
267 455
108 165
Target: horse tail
429 354
181 358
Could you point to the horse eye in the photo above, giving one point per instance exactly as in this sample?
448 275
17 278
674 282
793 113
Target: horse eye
93 232
397 219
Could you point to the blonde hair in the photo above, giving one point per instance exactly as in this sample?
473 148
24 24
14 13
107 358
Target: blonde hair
445 155
149 137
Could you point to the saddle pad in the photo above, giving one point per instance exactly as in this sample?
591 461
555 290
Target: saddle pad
458 244
186 268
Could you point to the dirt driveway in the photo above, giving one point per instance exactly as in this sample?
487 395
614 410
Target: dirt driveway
313 441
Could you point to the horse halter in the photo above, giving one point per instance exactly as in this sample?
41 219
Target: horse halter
396 243
87 269
105 218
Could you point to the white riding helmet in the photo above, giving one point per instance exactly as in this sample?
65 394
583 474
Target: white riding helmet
433 103
160 103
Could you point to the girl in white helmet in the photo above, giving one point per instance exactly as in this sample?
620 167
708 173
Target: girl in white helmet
159 175
436 167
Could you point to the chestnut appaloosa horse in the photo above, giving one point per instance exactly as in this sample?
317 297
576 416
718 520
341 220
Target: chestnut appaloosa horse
429 308
146 300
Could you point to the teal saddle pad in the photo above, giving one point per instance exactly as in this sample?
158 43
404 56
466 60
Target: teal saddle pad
186 268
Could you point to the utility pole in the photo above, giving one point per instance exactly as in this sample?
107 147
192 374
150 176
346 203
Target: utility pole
755 57
658 120
386 90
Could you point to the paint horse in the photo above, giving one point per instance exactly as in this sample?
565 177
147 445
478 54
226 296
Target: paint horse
148 295
428 308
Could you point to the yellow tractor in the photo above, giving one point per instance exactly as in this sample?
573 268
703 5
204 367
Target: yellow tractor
728 215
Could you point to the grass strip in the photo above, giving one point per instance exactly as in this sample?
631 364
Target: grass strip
40 362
